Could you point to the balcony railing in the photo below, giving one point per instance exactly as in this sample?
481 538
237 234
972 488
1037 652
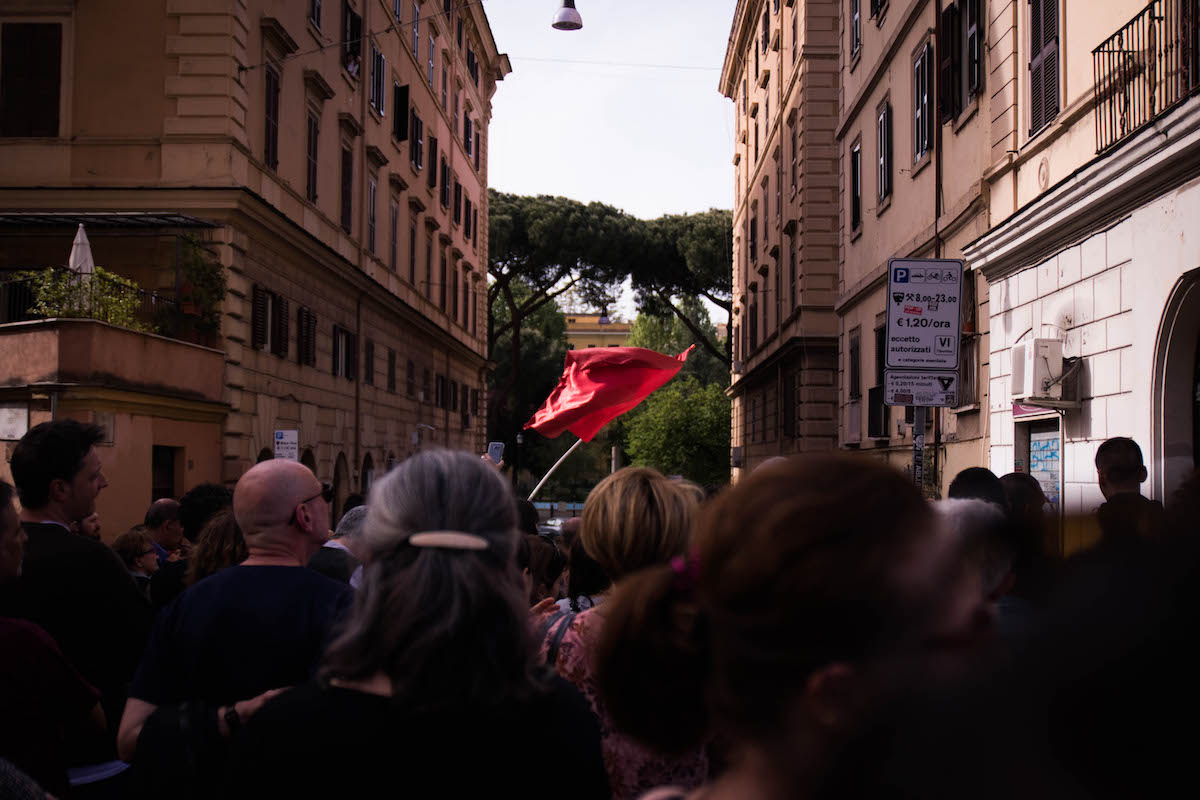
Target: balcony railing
1145 68
156 312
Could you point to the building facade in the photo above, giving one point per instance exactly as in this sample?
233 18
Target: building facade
331 156
595 330
781 72
1093 242
913 138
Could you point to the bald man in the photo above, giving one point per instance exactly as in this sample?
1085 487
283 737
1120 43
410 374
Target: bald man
248 629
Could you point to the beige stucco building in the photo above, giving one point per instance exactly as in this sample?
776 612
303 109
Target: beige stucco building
913 136
1093 241
331 155
595 330
781 72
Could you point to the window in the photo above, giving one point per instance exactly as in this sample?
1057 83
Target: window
922 105
416 30
393 219
795 40
412 252
429 265
351 40
753 316
877 9
795 155
432 47
472 66
442 280
466 303
883 143
459 26
454 295
345 354
855 26
454 395
974 47
369 363
457 204
766 30
438 392
475 226
377 94
468 133
425 397
968 371
398 9
347 187
271 146
877 410
399 111
306 337
310 150
474 401
444 192
765 303
477 150
454 116
269 322
1043 63
855 366
314 12
432 177
410 378
756 141
960 67
371 192
767 111
416 149
30 78
445 84
792 272
856 185
467 231
391 371
753 240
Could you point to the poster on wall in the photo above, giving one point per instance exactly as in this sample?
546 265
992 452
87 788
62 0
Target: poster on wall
14 420
1045 464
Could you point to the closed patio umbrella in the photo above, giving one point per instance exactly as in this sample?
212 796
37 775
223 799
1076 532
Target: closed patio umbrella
81 254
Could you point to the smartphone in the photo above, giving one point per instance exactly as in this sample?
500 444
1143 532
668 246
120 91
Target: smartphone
496 451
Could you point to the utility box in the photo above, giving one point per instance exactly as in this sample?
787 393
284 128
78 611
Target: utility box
1037 370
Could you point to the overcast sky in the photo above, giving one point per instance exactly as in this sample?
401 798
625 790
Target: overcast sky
650 140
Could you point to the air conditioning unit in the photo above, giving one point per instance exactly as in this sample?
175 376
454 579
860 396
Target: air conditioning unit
1037 369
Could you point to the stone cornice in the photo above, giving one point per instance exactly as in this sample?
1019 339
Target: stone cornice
1163 155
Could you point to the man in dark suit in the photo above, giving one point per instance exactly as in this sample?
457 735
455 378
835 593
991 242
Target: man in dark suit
75 588
341 557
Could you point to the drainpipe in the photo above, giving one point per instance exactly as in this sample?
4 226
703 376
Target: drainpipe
937 211
358 340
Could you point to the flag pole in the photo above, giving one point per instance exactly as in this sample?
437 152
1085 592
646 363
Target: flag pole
546 477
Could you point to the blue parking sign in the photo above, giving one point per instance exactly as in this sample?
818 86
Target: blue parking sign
900 275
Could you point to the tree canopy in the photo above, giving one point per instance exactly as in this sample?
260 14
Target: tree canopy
683 429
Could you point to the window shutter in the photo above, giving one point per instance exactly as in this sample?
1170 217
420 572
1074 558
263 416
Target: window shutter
311 339
258 318
930 90
280 339
1037 81
973 57
338 344
1050 60
351 356
400 112
950 64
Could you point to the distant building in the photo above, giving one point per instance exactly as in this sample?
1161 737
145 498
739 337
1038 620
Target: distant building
595 330
781 72
333 158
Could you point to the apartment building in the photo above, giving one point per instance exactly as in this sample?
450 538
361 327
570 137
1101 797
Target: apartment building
781 72
1092 242
331 155
913 135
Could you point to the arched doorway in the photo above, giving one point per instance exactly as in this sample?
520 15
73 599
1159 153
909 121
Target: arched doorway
390 464
1176 399
368 474
309 460
341 488
264 455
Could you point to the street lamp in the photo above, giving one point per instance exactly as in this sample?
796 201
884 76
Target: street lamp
517 460
567 18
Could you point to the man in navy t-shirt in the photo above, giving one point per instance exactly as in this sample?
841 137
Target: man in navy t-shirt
255 627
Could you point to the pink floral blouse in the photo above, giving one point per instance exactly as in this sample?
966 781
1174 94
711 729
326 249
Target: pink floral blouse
633 769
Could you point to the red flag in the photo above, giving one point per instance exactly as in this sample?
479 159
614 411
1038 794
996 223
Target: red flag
600 384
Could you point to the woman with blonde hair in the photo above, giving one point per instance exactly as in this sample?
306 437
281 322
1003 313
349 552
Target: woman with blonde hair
633 520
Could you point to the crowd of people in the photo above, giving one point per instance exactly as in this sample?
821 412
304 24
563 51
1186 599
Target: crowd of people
820 629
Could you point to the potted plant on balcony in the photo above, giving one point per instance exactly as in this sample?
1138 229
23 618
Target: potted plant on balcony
100 295
201 290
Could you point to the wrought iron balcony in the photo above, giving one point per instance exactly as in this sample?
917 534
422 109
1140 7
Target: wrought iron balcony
1145 68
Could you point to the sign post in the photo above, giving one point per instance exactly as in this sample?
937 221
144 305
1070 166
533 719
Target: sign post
924 329
287 445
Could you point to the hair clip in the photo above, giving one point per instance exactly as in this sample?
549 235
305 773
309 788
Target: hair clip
449 540
687 572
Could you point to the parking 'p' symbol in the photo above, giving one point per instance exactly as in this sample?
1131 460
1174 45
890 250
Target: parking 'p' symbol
900 274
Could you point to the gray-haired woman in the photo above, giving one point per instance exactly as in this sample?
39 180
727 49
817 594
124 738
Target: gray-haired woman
434 684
